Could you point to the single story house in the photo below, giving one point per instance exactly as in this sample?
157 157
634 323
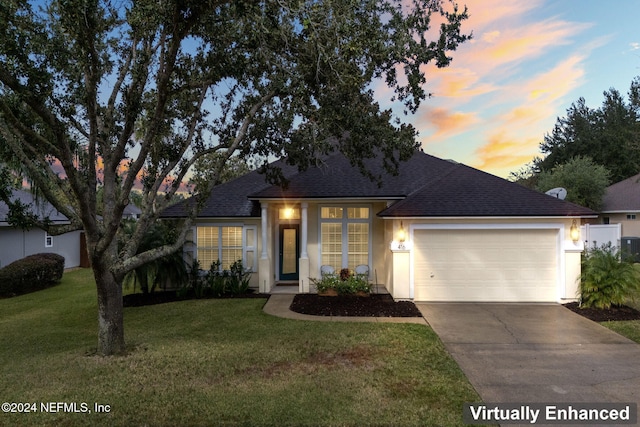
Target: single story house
131 211
16 243
621 205
436 231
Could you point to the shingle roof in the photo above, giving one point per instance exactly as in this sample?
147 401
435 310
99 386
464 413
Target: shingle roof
425 186
41 208
230 199
468 192
337 178
623 196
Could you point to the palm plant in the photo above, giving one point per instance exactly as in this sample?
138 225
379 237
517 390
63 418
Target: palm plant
606 279
162 272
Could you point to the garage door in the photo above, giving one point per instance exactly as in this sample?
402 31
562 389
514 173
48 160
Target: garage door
491 265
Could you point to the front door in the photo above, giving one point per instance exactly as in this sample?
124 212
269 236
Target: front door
289 251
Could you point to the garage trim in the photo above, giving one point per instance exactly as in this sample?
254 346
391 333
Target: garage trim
559 227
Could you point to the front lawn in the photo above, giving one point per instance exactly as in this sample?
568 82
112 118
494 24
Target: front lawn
629 328
219 362
626 328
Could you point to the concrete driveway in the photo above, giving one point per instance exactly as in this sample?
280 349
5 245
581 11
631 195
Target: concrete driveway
536 353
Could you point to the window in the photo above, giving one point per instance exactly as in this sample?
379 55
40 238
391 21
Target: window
48 240
344 236
219 243
250 248
332 244
358 240
631 216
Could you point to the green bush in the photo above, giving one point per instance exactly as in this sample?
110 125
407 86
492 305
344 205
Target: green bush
325 283
31 274
343 284
606 279
217 283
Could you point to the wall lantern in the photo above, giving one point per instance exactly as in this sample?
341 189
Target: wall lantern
402 236
574 232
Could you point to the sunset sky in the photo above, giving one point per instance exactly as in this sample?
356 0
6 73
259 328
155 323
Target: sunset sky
528 61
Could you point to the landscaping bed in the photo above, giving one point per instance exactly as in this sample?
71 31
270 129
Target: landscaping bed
376 305
615 313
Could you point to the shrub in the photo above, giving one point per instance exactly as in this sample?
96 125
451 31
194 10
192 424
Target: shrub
31 274
238 281
352 285
346 284
325 283
168 271
606 279
215 282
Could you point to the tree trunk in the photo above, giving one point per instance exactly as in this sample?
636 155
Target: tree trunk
110 312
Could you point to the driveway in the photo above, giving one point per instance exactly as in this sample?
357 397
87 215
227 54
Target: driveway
536 353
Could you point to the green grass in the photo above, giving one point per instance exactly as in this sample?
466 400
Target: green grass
628 328
221 362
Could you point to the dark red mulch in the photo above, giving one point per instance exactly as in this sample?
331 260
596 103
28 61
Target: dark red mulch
621 312
377 305
139 300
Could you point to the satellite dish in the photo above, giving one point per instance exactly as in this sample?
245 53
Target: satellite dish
558 193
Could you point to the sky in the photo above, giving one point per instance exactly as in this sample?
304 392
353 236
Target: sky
528 61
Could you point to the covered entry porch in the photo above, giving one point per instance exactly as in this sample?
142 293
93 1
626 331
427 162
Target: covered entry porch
299 237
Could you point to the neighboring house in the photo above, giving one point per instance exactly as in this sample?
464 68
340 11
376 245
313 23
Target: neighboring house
131 211
437 231
621 205
16 243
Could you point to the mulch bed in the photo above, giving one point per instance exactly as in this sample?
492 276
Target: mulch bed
621 312
377 305
161 297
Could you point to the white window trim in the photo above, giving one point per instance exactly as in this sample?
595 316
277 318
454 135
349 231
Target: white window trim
245 249
48 240
345 229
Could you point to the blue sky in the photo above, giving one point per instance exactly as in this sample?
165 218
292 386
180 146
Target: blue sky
528 61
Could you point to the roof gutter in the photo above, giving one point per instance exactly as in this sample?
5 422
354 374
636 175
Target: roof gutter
466 218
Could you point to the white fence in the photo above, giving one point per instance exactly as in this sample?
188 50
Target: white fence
596 235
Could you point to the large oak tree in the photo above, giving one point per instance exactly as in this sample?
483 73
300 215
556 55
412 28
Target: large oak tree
118 92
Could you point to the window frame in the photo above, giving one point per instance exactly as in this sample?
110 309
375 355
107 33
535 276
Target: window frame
344 223
248 251
48 240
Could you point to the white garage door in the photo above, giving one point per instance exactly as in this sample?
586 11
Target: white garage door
490 265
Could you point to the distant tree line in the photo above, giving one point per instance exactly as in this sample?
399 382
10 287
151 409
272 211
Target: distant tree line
589 148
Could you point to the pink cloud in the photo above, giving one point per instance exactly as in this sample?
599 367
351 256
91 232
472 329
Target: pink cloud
504 153
447 122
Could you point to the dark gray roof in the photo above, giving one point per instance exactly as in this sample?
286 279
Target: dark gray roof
425 186
230 199
337 178
41 208
623 196
468 192
131 210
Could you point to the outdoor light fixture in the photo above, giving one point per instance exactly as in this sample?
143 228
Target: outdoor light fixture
401 237
574 231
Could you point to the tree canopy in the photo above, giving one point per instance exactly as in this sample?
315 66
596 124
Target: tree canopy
610 135
584 180
113 93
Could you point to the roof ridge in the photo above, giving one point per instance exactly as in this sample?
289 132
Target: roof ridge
454 166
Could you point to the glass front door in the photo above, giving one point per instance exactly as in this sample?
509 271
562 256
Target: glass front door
289 251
